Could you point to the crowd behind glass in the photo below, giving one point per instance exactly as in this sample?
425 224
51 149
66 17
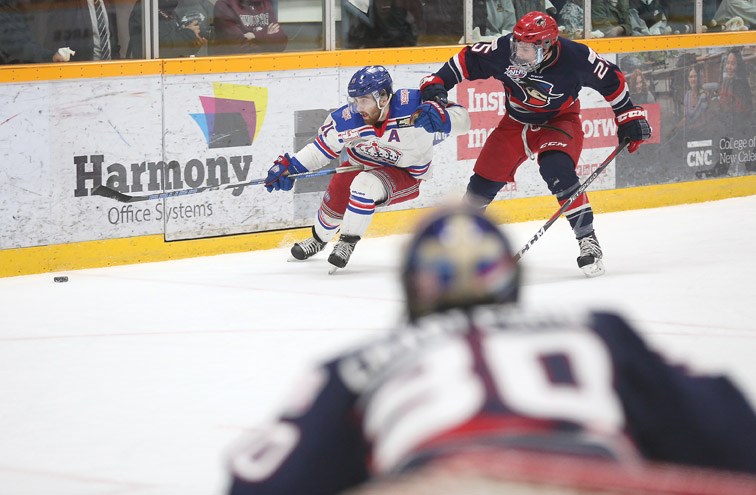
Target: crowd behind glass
42 31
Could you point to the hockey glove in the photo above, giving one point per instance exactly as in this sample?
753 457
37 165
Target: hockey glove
432 117
432 89
632 125
278 175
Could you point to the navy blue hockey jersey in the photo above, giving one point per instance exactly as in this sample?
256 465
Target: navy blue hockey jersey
536 97
494 377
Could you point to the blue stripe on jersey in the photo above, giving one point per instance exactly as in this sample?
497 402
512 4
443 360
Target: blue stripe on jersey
418 170
323 147
323 223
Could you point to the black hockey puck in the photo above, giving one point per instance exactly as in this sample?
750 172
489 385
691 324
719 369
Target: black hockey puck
60 279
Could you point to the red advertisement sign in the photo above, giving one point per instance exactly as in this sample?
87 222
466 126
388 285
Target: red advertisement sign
484 101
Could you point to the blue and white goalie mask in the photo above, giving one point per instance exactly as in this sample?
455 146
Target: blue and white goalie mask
458 259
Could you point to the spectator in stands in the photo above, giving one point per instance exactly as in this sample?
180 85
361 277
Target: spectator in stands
679 15
730 10
444 20
650 18
498 17
696 102
571 17
189 12
175 39
17 46
247 26
382 23
639 88
611 18
522 7
88 27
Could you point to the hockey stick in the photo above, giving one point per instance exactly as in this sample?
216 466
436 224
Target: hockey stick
109 192
580 190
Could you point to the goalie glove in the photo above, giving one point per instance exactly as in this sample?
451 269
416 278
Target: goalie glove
432 89
633 126
278 175
432 117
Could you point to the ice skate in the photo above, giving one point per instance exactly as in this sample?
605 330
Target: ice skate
341 252
590 256
308 248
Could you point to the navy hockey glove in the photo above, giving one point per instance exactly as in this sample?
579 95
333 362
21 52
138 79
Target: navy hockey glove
632 125
432 89
432 117
278 175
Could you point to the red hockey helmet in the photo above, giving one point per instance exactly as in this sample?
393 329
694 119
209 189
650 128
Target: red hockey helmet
534 34
537 28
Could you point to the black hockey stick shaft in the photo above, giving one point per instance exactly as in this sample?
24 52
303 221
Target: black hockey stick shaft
580 190
109 192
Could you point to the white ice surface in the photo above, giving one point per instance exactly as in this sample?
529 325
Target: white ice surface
135 380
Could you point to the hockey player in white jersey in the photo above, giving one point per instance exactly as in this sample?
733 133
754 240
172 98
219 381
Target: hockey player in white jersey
390 135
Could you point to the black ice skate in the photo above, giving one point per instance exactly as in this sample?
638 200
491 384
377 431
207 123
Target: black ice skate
590 256
342 251
307 248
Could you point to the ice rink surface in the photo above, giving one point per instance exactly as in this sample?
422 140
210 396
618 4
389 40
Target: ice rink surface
135 380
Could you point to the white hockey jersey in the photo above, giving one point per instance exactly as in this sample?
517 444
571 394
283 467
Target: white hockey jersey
394 144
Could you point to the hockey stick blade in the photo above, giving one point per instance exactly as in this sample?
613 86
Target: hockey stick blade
109 192
580 190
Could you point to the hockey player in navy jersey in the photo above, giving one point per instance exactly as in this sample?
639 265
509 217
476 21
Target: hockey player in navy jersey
542 75
390 135
471 375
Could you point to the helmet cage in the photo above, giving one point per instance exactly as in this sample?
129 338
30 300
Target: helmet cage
526 56
532 38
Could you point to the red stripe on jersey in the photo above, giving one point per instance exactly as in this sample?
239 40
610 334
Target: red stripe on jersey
620 88
488 427
462 63
325 148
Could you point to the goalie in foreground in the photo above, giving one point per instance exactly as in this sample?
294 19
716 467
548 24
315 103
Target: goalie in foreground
388 134
473 389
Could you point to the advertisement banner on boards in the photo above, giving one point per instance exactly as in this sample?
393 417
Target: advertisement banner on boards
247 113
708 126
485 102
147 134
62 138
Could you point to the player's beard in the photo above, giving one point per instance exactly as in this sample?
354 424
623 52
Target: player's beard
370 119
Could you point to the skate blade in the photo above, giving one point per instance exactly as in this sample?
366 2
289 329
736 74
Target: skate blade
594 269
333 269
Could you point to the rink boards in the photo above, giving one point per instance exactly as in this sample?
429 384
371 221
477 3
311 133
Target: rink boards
141 132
